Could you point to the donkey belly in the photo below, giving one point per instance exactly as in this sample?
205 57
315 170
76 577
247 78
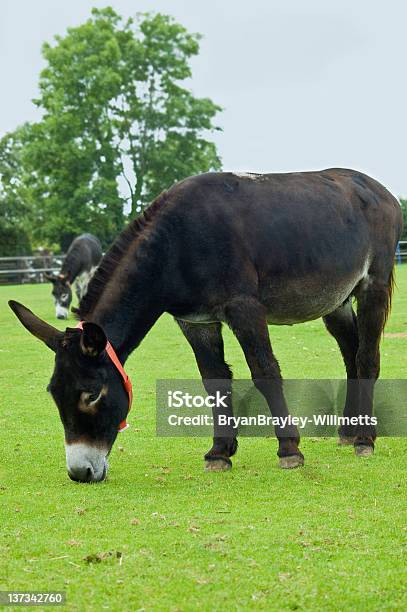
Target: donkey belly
290 301
300 300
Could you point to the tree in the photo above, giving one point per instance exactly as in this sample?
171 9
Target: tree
160 123
14 241
15 194
118 126
14 182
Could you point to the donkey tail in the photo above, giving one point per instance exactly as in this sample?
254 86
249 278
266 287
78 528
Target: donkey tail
390 290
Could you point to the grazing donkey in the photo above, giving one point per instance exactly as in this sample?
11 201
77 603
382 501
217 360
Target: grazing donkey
247 250
80 262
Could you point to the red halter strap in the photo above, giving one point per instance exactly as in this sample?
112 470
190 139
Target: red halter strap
126 380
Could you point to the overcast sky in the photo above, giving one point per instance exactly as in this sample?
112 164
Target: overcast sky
304 84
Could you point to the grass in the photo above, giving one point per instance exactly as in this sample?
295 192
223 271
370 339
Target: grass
161 534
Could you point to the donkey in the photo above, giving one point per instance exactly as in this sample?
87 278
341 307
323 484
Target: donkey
247 250
80 262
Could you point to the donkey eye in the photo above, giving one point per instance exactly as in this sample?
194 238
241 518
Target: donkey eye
89 400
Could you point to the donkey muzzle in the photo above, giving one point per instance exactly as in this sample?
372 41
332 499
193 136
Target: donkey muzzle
85 463
61 312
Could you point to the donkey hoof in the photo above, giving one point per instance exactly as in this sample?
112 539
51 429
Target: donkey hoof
346 441
218 465
361 450
291 462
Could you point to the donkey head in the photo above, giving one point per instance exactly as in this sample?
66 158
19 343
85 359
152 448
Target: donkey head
62 294
87 389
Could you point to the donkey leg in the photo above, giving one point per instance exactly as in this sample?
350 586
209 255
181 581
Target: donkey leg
373 303
342 325
86 281
78 290
81 285
247 318
207 343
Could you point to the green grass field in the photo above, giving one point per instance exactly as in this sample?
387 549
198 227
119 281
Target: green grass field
160 533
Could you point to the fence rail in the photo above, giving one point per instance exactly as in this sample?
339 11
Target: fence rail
401 252
32 268
28 268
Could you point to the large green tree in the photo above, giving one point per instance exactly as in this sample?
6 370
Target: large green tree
118 124
15 190
15 194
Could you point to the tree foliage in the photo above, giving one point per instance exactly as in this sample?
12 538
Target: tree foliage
118 126
14 241
15 185
15 194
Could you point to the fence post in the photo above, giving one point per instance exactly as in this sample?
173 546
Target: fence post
398 253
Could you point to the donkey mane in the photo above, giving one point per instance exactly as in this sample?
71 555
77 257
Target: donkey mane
115 253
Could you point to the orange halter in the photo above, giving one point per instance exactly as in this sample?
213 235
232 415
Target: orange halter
126 380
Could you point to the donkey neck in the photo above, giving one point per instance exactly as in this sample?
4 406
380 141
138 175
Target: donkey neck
129 290
129 306
71 266
127 326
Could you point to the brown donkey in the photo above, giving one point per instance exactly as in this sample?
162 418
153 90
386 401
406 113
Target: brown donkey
247 250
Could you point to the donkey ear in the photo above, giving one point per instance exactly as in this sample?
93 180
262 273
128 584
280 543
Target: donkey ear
49 276
93 340
36 326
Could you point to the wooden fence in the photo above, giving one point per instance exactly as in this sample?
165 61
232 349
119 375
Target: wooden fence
31 268
28 268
